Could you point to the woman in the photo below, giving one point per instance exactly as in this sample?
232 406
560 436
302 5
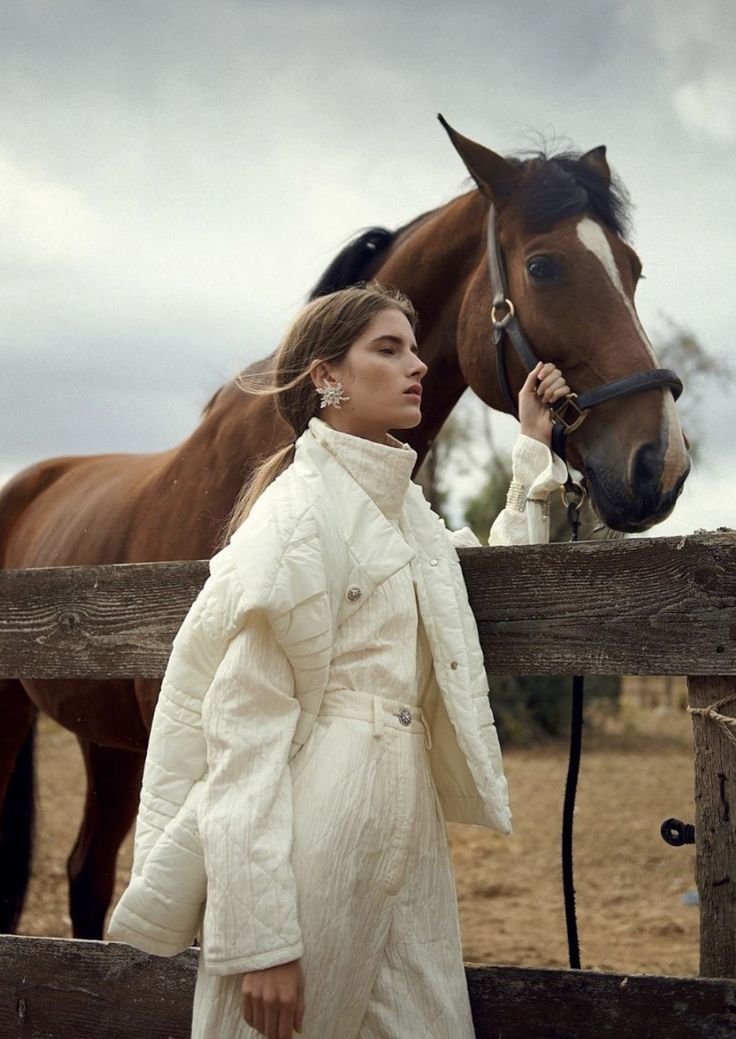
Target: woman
325 711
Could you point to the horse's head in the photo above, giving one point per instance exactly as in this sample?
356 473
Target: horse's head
571 277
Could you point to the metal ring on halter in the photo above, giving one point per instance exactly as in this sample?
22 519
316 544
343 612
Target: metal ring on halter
573 495
510 312
561 413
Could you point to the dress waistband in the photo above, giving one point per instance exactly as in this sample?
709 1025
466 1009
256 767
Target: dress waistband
380 710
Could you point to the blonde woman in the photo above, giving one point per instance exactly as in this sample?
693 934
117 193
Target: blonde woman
325 711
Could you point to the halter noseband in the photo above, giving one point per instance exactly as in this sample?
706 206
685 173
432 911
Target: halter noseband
569 413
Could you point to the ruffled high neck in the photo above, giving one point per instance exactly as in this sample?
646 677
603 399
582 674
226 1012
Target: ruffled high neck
382 470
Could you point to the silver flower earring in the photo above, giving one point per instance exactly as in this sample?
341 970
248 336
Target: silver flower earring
331 394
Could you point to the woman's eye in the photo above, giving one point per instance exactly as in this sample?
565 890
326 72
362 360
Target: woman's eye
386 350
542 268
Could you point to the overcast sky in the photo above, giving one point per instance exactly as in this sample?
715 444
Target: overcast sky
174 176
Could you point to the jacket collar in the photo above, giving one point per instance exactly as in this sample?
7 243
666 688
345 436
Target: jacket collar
382 470
375 543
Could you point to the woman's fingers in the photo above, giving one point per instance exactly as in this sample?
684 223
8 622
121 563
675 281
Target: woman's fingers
271 1017
561 392
258 1018
546 382
555 389
273 998
530 383
285 1029
299 1017
551 384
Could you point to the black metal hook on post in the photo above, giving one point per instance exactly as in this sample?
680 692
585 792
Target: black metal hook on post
676 833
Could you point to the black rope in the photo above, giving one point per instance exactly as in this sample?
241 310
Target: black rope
573 769
571 783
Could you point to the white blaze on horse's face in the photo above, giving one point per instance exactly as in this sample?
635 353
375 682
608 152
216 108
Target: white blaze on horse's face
591 235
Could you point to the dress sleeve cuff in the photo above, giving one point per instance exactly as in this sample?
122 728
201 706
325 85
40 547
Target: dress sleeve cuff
536 467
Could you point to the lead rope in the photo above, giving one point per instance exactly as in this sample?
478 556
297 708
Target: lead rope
572 495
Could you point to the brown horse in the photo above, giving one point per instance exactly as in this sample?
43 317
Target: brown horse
572 278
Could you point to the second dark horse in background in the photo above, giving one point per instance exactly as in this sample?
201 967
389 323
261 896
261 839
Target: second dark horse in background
572 276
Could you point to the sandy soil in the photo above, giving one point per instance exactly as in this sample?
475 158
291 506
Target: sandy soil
636 772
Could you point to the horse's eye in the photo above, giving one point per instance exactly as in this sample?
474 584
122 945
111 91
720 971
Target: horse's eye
542 268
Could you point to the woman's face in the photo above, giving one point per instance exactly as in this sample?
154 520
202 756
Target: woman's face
382 374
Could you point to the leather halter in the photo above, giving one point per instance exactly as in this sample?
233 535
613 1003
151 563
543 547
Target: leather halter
570 413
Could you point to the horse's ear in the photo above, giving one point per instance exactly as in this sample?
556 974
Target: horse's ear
596 160
495 176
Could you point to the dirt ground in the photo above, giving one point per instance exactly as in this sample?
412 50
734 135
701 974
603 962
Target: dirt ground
636 772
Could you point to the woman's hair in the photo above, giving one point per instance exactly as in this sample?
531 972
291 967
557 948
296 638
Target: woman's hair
323 330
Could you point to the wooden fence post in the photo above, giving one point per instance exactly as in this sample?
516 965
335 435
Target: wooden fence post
715 824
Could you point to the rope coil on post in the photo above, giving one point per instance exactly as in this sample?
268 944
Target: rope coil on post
673 831
726 721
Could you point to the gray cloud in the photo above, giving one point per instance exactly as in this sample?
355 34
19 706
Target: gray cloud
175 176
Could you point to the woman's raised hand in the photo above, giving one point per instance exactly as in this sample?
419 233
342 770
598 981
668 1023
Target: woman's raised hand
543 386
273 999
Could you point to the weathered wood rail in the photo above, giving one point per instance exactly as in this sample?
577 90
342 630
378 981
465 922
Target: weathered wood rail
54 988
655 606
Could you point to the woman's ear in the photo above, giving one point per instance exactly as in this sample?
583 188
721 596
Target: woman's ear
321 374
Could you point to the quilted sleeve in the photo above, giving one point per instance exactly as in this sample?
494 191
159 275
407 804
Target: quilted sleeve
536 473
274 667
245 812
160 910
215 815
175 757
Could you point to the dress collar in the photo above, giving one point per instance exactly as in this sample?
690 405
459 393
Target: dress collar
382 470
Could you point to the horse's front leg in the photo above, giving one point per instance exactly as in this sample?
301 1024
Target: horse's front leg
17 800
113 789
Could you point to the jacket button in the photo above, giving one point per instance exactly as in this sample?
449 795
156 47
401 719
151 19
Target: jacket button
433 562
353 593
454 665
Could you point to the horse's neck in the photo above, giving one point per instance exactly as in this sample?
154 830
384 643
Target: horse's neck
432 263
236 432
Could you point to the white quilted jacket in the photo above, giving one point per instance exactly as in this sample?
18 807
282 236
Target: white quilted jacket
213 833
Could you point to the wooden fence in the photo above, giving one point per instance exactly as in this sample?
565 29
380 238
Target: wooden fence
662 606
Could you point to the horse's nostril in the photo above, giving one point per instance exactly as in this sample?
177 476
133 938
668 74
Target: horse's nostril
647 469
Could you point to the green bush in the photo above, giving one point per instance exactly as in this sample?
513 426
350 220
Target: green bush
530 708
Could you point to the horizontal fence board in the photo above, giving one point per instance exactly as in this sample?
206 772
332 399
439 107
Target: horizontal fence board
645 606
650 606
94 622
526 1003
56 988
53 988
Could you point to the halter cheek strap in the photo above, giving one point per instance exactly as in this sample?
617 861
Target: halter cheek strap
569 413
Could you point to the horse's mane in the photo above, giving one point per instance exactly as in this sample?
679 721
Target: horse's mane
355 261
553 187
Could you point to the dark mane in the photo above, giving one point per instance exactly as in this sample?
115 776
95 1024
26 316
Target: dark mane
355 262
360 258
557 186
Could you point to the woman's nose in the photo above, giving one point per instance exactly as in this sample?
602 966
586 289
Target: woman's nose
420 368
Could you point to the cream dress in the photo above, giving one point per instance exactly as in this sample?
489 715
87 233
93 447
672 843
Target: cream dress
376 896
